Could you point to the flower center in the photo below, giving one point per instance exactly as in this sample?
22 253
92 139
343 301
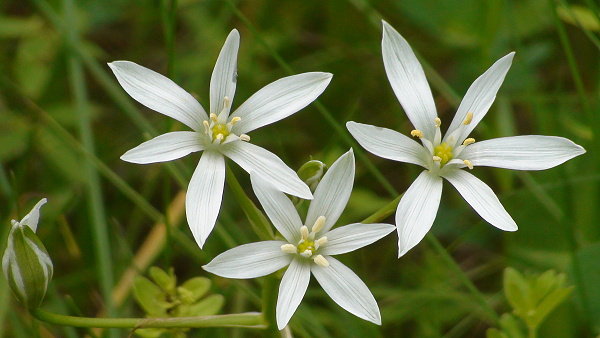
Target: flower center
444 152
308 246
219 131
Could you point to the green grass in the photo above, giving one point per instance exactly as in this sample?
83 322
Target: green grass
65 121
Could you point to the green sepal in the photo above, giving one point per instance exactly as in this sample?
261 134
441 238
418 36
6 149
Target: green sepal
27 266
311 173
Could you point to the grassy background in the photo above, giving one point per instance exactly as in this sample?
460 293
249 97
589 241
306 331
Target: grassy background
64 122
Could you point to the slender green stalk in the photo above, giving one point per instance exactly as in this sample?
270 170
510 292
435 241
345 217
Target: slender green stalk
257 219
384 212
269 302
102 246
249 320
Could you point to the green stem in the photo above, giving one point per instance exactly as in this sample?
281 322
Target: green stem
250 320
269 302
384 212
259 222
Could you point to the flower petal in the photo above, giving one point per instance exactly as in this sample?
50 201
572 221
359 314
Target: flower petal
166 147
279 100
204 195
279 208
528 152
354 236
346 289
250 260
224 76
291 290
388 143
481 197
416 210
259 161
408 81
332 193
479 98
158 93
33 217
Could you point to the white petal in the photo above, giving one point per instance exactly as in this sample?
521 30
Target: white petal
332 193
388 143
291 290
158 93
479 97
481 197
279 208
33 217
354 236
250 260
417 209
258 161
279 100
204 195
408 81
528 152
346 289
166 147
224 76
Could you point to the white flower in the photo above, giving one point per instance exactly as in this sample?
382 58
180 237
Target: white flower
218 134
446 157
308 247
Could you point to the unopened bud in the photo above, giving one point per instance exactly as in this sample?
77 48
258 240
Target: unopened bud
26 263
311 173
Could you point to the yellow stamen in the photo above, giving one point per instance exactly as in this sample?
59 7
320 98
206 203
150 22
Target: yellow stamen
227 102
437 158
468 119
468 164
468 141
289 248
219 131
213 117
304 232
318 224
416 133
438 122
306 253
320 242
321 261
235 120
244 137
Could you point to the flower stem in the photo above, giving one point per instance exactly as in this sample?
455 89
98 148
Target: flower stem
384 212
259 222
269 302
249 320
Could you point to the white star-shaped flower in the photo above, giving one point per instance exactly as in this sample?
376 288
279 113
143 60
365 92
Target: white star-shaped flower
308 246
445 157
218 134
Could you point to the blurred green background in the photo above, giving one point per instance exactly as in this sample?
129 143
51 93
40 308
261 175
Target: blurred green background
65 121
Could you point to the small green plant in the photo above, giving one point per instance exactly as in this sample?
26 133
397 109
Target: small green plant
161 297
532 297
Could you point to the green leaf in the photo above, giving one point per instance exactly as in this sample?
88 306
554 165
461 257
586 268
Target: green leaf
166 281
553 300
579 15
209 306
516 290
150 297
193 289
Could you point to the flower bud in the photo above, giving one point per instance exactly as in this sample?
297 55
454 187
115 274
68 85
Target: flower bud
311 173
26 263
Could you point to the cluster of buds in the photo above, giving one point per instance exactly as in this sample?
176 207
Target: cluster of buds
26 263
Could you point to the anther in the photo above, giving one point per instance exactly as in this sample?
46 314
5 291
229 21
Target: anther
416 133
213 117
219 137
244 137
318 224
321 261
468 119
235 120
227 102
468 164
320 242
437 159
438 122
304 232
468 141
206 126
289 248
